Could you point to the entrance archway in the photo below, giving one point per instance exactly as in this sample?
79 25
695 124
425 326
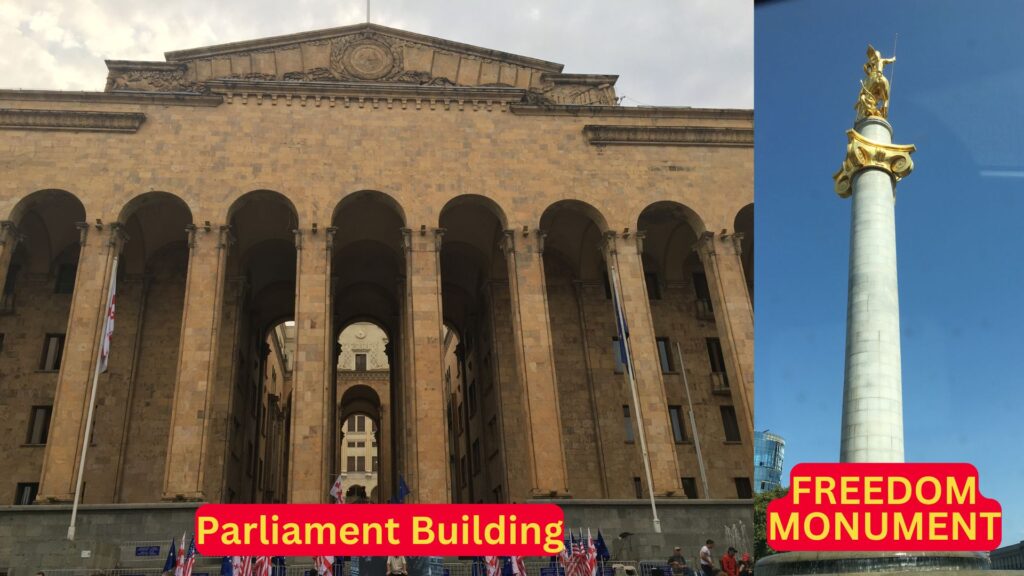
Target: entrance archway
364 415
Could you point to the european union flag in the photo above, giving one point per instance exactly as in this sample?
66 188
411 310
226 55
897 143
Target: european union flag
403 490
225 567
169 565
602 549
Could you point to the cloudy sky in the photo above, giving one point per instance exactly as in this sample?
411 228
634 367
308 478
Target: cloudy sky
666 52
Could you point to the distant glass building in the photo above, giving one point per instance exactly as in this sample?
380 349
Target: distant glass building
769 451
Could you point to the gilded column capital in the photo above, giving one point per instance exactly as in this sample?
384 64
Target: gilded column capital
862 154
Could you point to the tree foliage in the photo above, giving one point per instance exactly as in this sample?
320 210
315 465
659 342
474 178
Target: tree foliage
761 547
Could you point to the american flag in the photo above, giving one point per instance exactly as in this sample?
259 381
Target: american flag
189 560
324 564
262 566
565 556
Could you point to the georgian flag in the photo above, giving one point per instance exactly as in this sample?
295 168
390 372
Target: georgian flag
518 566
492 565
591 555
108 324
324 564
336 493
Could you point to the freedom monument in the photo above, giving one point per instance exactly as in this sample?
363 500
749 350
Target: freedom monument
872 425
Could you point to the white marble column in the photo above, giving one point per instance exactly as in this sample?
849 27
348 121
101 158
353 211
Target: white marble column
872 429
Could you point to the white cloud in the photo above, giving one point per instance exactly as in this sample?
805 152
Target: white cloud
697 53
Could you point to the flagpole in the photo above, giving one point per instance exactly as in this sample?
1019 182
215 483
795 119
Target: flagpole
92 409
693 422
636 396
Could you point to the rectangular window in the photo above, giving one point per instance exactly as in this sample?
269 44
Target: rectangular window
715 356
665 355
350 464
703 294
39 425
627 422
25 494
361 362
675 413
472 398
619 351
743 488
653 287
360 423
690 487
476 457
729 423
638 487
360 463
65 279
53 349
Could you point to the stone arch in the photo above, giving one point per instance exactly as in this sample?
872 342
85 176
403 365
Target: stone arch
476 200
575 229
371 196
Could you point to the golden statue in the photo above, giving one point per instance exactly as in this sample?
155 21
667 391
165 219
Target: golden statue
874 88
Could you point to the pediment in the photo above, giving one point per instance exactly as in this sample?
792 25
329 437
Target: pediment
364 54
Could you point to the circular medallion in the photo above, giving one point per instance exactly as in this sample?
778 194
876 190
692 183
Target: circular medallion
369 60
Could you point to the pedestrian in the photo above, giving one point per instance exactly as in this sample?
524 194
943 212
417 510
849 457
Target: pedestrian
729 562
745 567
677 562
397 566
707 565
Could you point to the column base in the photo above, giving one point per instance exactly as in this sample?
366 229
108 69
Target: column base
186 497
829 563
556 494
55 499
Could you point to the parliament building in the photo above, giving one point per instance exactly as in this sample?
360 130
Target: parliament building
369 252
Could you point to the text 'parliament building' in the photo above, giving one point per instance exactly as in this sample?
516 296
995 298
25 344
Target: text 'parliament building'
376 254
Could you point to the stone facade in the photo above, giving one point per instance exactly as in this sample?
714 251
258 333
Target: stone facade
479 207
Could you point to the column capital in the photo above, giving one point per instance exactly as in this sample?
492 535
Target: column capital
118 236
513 240
711 244
227 237
9 233
863 153
607 245
409 243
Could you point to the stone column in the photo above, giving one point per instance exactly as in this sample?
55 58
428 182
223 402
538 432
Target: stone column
579 291
510 393
312 404
734 318
872 429
535 363
187 443
428 477
623 256
81 345
9 238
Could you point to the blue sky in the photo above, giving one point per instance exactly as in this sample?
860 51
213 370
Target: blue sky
958 94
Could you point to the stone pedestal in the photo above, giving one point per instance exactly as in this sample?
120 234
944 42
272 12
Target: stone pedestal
837 563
